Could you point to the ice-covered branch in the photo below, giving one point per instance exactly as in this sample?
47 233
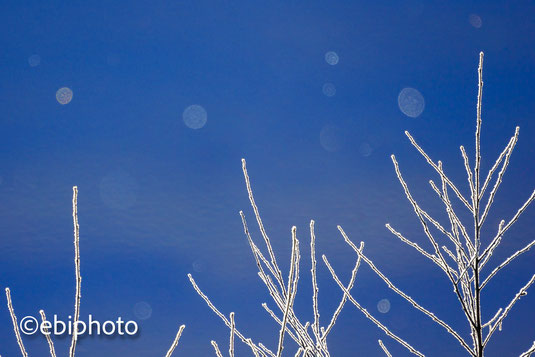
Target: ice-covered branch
218 313
499 321
47 335
316 323
440 172
502 231
366 313
344 297
292 287
278 273
175 341
15 324
385 350
405 296
529 352
77 270
507 261
500 177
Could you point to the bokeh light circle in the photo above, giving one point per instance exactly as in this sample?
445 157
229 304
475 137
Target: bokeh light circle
475 21
64 95
34 60
331 138
411 102
198 266
329 89
365 149
383 306
331 58
195 116
142 310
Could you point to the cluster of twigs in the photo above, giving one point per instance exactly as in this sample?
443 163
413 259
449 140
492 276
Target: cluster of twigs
462 262
310 337
467 254
78 296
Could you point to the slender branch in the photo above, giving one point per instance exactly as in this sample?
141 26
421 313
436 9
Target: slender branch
495 167
500 177
15 324
502 231
218 313
455 220
367 314
47 335
290 291
344 298
477 165
448 270
440 172
278 274
403 295
415 246
278 321
231 340
521 292
492 246
385 350
175 341
529 352
77 270
469 174
507 261
216 348
316 323
489 323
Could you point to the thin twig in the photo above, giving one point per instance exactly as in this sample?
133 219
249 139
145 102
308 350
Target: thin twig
403 295
278 274
47 335
175 341
290 291
385 350
367 314
77 270
216 348
521 292
316 323
15 324
529 352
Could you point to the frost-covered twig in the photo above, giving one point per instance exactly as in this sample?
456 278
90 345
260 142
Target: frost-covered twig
402 294
218 313
499 321
292 287
47 335
469 256
366 313
15 324
529 352
43 328
507 261
344 297
310 342
278 273
385 350
175 341
316 323
77 270
231 340
216 348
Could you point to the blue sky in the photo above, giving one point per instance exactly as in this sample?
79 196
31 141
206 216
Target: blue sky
158 199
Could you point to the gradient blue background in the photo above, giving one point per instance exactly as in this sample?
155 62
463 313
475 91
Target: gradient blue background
258 70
